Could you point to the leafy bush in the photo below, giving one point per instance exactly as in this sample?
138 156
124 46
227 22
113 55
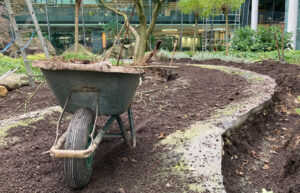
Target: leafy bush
181 55
291 56
163 55
246 39
201 56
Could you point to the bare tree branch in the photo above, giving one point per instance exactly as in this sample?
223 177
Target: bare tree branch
140 11
154 16
132 30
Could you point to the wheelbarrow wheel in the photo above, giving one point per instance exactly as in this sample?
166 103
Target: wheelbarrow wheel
78 171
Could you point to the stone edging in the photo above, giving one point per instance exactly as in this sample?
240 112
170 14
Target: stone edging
23 120
200 147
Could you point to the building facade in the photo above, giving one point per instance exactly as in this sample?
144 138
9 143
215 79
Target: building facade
98 26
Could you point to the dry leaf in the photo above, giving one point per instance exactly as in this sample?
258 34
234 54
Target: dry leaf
297 142
271 139
254 154
162 136
272 151
133 160
266 167
121 190
239 173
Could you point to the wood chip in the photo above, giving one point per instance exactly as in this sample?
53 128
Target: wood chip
240 173
272 151
254 154
121 190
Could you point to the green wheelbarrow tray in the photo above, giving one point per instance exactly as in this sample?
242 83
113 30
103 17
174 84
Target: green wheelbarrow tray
117 85
104 89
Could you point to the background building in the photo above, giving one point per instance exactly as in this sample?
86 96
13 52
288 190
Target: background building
98 26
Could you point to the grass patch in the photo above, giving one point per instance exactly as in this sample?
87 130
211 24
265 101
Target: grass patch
291 56
8 63
71 56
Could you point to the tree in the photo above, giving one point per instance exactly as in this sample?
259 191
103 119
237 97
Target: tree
206 7
77 5
225 6
145 31
203 7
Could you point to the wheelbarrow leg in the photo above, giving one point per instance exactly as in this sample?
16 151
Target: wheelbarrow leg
123 130
132 130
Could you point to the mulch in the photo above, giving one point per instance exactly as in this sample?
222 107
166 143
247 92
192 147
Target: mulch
168 100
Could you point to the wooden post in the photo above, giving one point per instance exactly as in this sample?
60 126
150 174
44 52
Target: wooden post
174 49
282 25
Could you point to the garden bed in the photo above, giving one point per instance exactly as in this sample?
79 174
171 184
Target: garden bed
263 153
168 100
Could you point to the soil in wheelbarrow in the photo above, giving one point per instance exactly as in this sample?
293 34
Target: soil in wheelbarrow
168 100
265 152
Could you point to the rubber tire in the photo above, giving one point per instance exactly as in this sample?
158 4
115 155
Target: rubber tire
76 172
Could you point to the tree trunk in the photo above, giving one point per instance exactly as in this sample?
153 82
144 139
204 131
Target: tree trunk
77 5
226 30
137 43
143 42
195 30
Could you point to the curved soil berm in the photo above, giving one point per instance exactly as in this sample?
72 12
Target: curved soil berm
264 153
198 149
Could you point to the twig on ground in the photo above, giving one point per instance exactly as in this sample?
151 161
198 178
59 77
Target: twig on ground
28 99
10 72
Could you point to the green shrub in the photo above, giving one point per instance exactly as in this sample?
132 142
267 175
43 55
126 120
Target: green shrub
246 39
181 55
163 55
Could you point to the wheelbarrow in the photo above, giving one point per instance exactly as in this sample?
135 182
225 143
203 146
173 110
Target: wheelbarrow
89 91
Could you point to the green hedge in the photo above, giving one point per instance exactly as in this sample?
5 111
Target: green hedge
246 39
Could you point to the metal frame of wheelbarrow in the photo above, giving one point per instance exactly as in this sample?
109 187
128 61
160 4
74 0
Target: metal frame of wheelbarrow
56 150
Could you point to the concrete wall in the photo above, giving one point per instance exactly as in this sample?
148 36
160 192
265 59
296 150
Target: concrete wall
291 16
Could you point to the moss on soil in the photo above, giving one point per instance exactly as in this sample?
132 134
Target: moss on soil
248 76
4 140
